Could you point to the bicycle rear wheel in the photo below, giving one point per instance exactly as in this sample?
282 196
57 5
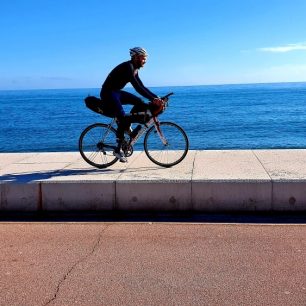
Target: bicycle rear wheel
96 145
168 148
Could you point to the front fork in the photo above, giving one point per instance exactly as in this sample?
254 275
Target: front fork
128 146
159 131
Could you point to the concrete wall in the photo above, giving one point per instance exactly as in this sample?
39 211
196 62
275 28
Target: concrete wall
261 180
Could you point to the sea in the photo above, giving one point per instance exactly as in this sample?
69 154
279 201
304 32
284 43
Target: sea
220 117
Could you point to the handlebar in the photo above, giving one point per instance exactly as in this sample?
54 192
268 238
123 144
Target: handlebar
168 95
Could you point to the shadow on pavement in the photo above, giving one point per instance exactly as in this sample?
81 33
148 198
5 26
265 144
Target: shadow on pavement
31 177
157 217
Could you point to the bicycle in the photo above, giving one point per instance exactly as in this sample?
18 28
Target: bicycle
165 143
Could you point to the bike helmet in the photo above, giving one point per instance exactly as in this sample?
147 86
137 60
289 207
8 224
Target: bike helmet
138 51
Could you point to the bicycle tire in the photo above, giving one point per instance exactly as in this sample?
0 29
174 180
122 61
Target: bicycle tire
171 153
96 145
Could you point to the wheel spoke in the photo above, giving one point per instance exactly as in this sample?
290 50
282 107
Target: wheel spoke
92 148
167 148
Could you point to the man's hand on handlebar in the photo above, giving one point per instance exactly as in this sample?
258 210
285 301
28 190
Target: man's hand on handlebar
162 99
157 100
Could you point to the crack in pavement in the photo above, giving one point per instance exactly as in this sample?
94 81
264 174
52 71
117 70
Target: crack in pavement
84 258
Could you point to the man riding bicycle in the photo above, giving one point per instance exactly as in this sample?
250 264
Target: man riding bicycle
114 97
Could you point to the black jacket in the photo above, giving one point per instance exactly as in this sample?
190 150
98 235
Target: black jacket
123 74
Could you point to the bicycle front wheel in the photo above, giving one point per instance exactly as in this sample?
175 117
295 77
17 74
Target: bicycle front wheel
96 145
166 146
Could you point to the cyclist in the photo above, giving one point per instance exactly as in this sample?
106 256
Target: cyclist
114 97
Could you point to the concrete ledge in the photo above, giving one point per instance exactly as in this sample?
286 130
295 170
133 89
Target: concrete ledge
25 197
153 195
289 195
78 196
233 180
232 196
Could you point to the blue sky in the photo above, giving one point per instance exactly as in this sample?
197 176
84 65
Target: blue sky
74 43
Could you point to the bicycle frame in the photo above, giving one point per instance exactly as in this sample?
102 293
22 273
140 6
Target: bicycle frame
146 126
134 140
153 121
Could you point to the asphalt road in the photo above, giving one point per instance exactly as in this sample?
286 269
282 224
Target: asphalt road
152 263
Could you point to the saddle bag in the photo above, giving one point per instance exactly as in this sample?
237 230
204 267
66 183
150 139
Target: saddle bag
95 104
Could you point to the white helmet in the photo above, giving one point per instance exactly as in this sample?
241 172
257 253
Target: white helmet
138 51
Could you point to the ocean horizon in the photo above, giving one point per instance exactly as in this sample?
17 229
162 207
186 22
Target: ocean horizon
232 116
129 88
